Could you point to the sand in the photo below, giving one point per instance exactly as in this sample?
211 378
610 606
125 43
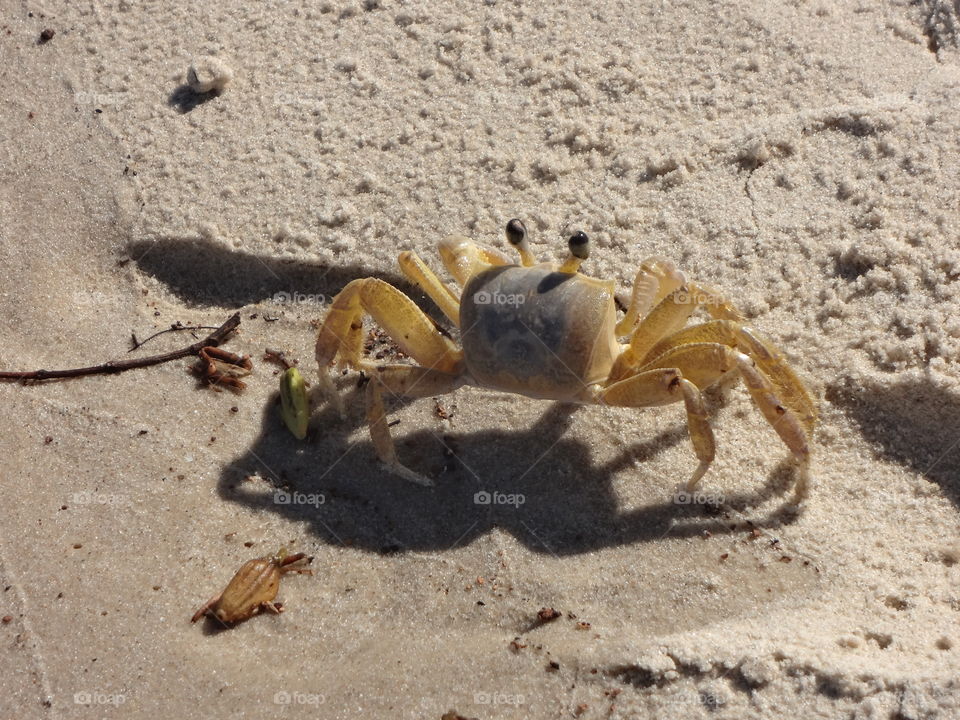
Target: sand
804 157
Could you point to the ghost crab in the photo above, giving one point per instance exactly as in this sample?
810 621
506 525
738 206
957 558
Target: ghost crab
547 331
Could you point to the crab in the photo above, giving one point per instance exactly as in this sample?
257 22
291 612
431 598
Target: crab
545 330
254 588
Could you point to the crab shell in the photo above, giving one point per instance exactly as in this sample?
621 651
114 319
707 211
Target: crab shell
515 340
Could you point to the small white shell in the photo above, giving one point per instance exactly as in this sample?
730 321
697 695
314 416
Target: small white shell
208 74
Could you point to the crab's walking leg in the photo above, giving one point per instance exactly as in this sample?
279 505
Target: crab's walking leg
775 390
286 564
286 560
668 316
788 424
418 272
661 387
276 609
342 330
402 381
206 607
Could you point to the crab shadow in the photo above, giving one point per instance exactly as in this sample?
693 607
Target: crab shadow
912 422
185 99
207 273
540 484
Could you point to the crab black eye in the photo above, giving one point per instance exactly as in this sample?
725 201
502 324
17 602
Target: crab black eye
580 245
516 232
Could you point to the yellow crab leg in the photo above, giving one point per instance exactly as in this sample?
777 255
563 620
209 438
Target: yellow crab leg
398 315
419 273
701 363
402 381
662 386
666 318
722 332
773 366
768 358
342 330
779 395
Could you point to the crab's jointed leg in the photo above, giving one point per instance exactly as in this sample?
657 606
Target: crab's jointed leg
207 606
419 273
776 390
342 331
402 381
285 561
703 354
662 386
441 361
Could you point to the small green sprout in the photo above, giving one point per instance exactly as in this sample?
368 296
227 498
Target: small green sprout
294 404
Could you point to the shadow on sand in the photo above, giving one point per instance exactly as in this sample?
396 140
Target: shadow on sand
912 422
569 504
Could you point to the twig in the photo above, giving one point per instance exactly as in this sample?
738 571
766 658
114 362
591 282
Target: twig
137 344
278 357
114 366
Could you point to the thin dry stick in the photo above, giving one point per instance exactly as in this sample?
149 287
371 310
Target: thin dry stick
114 366
176 327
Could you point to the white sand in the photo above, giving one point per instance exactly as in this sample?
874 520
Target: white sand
802 156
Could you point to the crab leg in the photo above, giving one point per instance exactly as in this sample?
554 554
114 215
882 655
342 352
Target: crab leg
419 273
663 386
342 330
207 606
776 391
788 424
668 317
769 361
402 381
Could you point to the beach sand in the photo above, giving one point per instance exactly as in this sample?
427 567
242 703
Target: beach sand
803 157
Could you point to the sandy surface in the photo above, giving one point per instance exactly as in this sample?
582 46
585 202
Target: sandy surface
805 157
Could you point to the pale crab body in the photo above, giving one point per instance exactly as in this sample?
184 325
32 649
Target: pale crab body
520 338
548 331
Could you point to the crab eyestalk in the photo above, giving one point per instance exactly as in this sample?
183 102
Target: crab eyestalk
579 251
517 236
